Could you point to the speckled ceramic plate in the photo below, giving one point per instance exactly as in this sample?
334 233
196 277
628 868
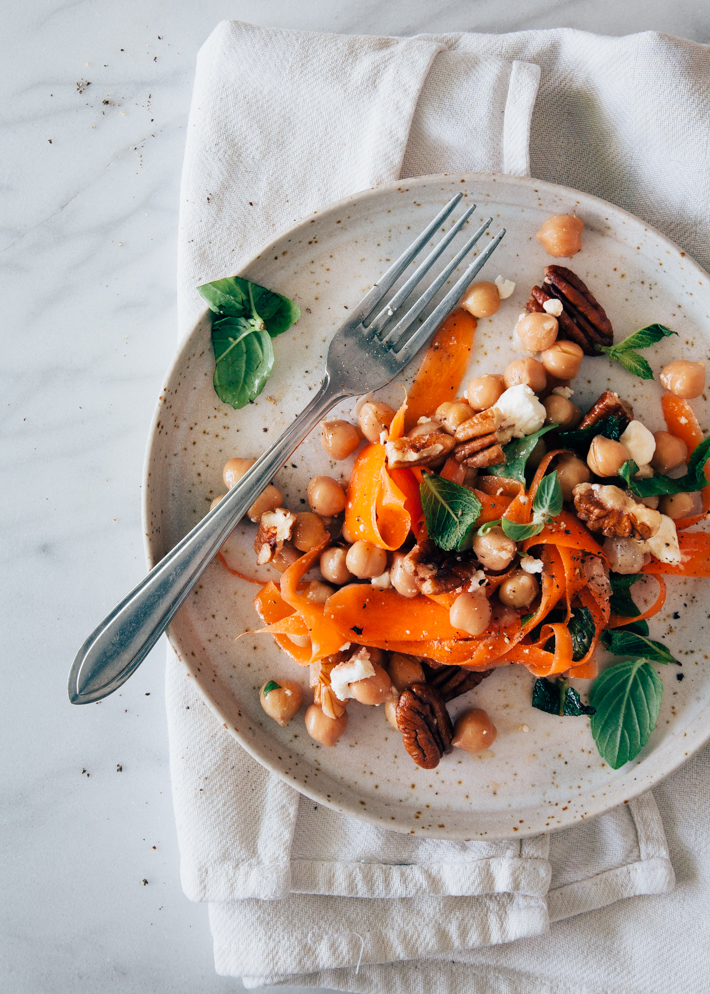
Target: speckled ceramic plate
543 772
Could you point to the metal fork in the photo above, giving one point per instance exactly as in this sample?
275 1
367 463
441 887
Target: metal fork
362 357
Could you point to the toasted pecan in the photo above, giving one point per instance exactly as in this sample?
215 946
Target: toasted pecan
436 571
607 509
453 681
583 319
425 724
608 404
422 450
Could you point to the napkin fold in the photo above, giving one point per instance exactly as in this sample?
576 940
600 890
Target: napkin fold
282 123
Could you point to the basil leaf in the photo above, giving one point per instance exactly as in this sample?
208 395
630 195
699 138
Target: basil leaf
694 479
246 317
582 629
519 533
271 685
485 528
517 454
627 697
581 438
450 511
626 643
546 697
548 498
642 339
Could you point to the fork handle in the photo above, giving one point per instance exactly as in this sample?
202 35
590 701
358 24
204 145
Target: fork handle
124 638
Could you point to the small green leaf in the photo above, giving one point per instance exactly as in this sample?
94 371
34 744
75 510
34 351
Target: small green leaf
573 706
546 697
627 697
517 454
641 339
582 629
527 617
626 643
622 581
519 533
489 526
450 511
548 498
580 439
658 485
635 364
271 685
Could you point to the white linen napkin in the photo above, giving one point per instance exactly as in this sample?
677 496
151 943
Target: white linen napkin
298 892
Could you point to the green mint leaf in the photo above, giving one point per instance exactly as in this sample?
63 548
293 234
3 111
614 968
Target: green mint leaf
517 454
627 698
246 317
548 498
625 643
237 297
635 364
271 685
622 603
622 581
637 627
244 359
527 617
519 533
582 629
580 439
695 479
485 528
546 697
642 339
450 511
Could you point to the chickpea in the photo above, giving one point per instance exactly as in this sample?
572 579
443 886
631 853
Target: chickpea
366 560
571 471
481 299
326 496
561 411
391 712
216 500
624 555
374 418
282 702
402 581
308 531
325 730
528 371
332 566
677 505
537 331
286 557
519 590
339 438
471 612
474 731
562 360
494 550
404 671
234 470
346 534
317 592
561 235
373 689
268 500
537 454
425 428
605 456
452 415
684 378
483 391
671 452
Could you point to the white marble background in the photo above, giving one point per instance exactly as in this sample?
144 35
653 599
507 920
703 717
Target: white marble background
95 98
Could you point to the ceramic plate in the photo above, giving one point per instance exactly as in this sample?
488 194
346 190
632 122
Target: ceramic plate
543 772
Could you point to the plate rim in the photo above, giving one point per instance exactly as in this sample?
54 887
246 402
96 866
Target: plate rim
639 786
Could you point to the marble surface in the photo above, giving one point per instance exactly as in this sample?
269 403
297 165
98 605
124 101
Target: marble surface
95 103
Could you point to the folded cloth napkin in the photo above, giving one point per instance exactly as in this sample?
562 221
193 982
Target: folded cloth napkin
282 123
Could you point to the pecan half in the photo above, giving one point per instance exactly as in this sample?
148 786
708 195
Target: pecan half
275 528
422 450
323 694
583 320
480 439
453 681
608 403
436 571
608 510
425 724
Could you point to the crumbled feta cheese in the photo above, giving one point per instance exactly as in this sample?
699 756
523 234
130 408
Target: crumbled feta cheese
282 522
553 306
358 667
520 406
382 581
479 579
566 392
531 565
664 544
424 420
505 287
384 435
344 648
639 443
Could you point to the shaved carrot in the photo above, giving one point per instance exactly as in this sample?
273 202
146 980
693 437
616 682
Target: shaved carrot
408 484
375 510
541 470
443 367
566 530
695 556
364 613
681 422
492 508
325 637
538 660
242 576
273 609
499 486
453 470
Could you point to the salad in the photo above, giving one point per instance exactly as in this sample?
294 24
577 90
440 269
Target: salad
487 524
